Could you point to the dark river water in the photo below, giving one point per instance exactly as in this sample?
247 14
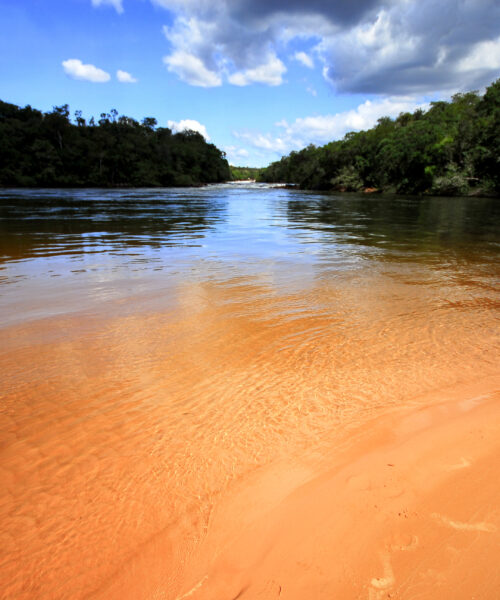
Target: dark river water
156 346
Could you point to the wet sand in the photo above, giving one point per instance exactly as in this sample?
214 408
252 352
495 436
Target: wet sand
244 443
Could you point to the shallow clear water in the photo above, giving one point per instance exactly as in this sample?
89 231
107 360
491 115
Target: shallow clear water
158 345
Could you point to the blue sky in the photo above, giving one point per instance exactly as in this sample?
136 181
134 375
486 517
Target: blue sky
258 78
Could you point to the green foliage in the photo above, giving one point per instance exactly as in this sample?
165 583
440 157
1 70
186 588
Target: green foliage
244 173
38 149
488 151
453 148
453 182
348 180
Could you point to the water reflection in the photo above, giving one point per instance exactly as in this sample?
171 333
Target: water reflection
235 220
62 247
47 222
401 227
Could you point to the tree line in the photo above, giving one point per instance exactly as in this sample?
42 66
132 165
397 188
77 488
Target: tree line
453 148
244 173
49 150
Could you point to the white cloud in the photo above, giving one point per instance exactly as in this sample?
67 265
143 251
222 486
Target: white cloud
191 69
312 91
265 141
125 77
485 55
208 50
269 73
305 59
415 48
370 47
325 128
236 151
186 5
235 154
386 47
321 129
77 70
188 124
189 35
117 4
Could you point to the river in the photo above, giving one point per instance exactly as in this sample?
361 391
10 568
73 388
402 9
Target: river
160 347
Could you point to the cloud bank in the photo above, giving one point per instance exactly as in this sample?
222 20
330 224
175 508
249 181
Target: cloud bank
385 47
321 129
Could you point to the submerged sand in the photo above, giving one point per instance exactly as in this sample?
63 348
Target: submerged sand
250 441
406 509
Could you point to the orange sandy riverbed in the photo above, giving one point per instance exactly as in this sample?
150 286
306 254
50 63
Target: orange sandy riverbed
406 508
252 443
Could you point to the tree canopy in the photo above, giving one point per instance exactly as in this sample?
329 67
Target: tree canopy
451 149
48 149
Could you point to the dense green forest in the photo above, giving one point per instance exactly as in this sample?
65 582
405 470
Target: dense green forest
243 173
451 149
47 149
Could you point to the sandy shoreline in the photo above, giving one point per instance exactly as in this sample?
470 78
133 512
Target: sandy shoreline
130 480
240 437
405 507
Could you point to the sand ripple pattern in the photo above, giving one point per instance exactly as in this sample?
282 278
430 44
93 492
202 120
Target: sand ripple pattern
131 405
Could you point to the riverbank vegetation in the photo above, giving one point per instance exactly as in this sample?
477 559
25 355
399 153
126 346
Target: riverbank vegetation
244 173
451 149
47 149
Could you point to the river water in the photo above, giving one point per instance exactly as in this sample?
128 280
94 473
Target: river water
157 346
